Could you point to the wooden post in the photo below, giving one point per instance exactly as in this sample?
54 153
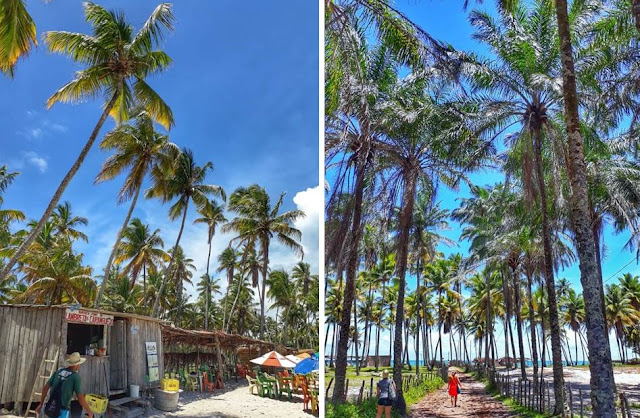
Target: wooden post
329 387
370 388
548 397
346 389
361 392
581 404
622 406
570 401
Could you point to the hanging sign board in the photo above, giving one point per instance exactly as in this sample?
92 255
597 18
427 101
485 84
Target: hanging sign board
152 361
80 316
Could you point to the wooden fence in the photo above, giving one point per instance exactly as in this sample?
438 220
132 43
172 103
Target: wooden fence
538 395
408 381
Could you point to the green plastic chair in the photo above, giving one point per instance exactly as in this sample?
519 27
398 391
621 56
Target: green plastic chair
264 386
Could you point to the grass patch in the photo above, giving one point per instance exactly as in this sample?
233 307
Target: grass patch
368 408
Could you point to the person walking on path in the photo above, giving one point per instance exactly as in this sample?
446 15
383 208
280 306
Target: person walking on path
454 389
64 383
386 392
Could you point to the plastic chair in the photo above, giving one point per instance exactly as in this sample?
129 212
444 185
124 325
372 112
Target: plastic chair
193 382
306 397
206 385
241 371
314 401
264 386
285 385
253 384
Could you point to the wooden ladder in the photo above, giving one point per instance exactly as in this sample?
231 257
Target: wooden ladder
41 378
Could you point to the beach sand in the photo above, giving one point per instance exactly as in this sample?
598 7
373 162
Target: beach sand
232 402
235 402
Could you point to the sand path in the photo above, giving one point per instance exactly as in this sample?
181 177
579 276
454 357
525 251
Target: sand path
474 401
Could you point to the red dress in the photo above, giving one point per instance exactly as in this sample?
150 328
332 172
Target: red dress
453 386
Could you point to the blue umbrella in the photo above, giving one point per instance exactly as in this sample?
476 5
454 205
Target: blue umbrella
307 365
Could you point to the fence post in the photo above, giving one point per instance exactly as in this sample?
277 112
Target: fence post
329 387
548 397
371 389
346 390
581 404
570 401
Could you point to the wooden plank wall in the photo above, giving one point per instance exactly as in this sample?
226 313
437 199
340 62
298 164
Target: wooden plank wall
117 351
147 331
94 375
24 334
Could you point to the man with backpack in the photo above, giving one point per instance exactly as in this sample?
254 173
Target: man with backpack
63 384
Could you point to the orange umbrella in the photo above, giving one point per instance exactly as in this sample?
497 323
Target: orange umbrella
274 359
303 355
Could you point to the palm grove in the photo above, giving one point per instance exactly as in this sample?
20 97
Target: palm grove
553 105
38 258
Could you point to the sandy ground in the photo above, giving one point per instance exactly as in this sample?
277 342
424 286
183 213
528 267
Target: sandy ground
235 402
472 402
232 402
627 381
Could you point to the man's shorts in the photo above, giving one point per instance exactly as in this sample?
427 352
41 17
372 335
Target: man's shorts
64 413
385 402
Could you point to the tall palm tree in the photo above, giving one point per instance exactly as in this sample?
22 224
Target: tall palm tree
282 291
227 261
620 313
258 220
117 62
138 146
183 180
602 382
64 223
207 287
181 272
573 313
302 274
144 250
212 215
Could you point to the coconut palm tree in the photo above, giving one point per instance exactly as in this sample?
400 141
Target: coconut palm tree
602 382
183 180
207 287
620 313
64 223
212 215
258 221
144 251
227 261
182 269
282 291
137 147
117 61
573 313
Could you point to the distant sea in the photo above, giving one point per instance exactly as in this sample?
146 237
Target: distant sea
547 363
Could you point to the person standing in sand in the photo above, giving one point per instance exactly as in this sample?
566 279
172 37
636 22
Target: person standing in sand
454 389
386 392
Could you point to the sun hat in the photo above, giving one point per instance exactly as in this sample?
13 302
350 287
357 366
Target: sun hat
385 374
74 360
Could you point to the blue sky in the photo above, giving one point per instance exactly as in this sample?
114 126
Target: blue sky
448 22
244 92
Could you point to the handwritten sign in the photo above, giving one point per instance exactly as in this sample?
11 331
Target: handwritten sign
152 361
81 316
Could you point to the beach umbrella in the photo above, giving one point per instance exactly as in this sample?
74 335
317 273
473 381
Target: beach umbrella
303 355
274 359
294 359
307 366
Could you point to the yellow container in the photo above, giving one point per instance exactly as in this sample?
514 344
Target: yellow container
97 403
170 385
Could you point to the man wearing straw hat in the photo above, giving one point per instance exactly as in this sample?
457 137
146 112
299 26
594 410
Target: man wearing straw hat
67 382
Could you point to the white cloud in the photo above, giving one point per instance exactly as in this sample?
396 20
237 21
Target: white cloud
36 161
310 202
35 133
42 129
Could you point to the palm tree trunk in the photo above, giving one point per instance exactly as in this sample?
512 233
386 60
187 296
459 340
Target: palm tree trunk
635 10
156 304
556 343
226 297
534 344
518 301
602 382
265 271
404 225
114 250
417 338
206 301
233 306
355 335
384 288
349 292
377 359
60 190
144 287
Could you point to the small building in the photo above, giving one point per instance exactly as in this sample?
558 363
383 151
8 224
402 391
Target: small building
131 348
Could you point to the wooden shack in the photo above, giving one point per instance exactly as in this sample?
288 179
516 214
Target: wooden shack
128 343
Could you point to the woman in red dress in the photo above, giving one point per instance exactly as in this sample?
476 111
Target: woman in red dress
454 389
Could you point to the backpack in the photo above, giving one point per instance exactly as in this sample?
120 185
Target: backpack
392 390
54 404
